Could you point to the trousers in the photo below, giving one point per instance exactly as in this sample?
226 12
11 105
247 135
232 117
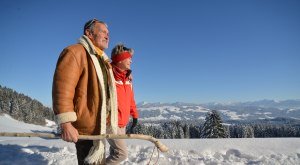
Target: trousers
117 150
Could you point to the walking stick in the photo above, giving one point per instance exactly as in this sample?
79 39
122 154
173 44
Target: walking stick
155 141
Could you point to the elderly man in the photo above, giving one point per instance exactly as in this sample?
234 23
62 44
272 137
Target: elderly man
84 93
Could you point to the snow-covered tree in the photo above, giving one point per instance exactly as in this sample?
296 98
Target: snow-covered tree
213 127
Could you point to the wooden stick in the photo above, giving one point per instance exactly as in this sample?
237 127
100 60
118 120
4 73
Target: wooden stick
155 141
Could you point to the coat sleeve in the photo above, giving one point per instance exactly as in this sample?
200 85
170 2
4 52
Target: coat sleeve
133 110
65 79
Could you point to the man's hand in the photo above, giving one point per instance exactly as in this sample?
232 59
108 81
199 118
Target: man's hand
69 133
134 123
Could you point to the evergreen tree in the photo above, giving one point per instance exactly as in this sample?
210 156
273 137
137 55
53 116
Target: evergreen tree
195 131
186 130
213 127
179 133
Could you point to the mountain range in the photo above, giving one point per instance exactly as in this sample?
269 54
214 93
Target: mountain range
237 111
24 108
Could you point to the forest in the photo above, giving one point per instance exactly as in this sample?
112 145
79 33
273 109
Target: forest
23 108
214 127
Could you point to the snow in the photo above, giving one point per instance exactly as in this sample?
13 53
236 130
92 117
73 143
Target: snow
199 109
23 150
291 110
232 115
160 117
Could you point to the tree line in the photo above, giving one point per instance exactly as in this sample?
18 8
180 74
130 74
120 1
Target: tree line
23 108
213 127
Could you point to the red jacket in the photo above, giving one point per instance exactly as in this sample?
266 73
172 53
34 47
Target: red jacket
126 102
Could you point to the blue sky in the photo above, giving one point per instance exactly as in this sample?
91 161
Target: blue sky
189 51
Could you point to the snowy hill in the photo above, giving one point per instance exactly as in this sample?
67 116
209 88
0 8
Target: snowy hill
23 108
28 151
239 111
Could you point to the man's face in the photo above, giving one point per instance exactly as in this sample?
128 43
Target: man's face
125 64
100 36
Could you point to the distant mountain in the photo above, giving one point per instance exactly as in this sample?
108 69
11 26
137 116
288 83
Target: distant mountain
239 111
267 104
23 108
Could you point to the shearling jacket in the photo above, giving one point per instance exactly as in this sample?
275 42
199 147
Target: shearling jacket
76 93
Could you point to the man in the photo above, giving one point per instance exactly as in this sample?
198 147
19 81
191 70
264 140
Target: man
121 64
84 92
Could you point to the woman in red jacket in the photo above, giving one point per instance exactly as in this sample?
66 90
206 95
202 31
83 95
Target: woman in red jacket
121 63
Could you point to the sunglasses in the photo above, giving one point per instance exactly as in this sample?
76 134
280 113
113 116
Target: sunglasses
125 48
90 23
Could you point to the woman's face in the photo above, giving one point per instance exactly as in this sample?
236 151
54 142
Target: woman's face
125 64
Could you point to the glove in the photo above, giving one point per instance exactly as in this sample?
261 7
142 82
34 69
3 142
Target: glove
134 123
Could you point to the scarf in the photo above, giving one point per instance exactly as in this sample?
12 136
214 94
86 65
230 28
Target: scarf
119 74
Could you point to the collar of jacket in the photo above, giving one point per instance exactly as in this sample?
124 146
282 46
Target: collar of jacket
89 46
119 74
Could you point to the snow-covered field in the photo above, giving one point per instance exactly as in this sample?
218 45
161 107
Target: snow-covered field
17 150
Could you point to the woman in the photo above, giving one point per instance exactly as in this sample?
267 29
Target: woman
121 64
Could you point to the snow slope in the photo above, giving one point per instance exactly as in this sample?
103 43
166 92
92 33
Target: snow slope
24 151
